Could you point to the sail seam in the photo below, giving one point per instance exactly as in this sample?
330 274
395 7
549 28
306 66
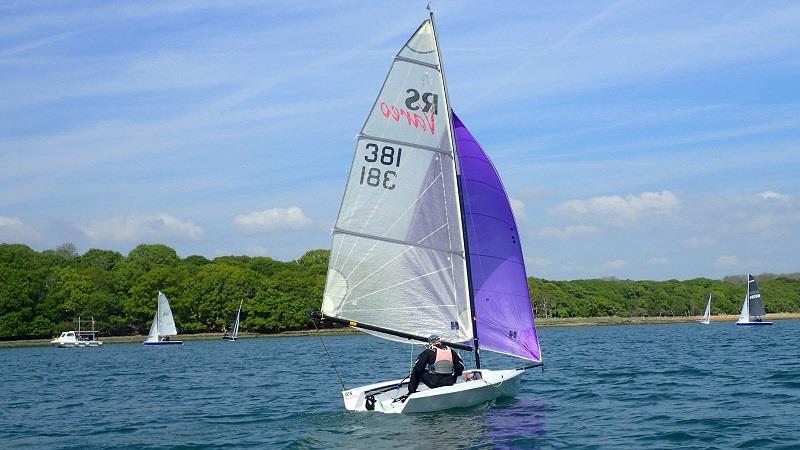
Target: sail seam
492 217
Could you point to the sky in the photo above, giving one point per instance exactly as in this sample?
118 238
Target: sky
637 140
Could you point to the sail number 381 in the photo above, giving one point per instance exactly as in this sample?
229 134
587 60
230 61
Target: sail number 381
379 176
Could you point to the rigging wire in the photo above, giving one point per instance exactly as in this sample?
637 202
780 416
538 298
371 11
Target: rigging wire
330 358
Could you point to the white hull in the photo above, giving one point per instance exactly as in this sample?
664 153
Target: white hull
494 384
58 344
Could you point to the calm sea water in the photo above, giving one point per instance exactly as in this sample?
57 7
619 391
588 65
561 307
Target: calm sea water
646 386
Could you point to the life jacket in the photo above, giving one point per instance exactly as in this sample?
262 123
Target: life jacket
443 365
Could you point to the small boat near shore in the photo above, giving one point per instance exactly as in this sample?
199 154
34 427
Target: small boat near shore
79 338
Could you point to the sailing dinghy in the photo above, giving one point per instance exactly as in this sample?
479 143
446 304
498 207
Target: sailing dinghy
235 329
163 325
753 307
426 242
707 315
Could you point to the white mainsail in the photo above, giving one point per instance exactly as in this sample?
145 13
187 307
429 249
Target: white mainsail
235 333
707 313
163 323
397 259
166 324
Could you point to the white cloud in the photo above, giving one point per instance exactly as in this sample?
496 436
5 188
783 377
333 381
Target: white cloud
615 264
569 232
771 195
141 228
274 219
699 242
14 230
622 211
518 206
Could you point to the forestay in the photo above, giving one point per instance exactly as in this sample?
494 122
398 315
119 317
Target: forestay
397 259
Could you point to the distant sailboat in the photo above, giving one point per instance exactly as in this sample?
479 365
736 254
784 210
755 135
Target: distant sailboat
707 315
163 325
753 307
235 333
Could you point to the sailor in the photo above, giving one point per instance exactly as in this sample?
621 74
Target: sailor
438 365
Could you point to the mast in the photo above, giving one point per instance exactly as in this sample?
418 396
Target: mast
475 345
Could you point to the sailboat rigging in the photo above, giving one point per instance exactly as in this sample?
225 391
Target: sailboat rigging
426 242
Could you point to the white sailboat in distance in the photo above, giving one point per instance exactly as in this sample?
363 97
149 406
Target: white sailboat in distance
163 325
707 315
234 335
753 307
426 242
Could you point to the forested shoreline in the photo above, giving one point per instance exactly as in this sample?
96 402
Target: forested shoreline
42 293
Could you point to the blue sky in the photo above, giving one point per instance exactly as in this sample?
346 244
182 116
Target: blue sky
642 140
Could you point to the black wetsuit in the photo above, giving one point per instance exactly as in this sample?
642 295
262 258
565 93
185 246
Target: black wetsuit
433 380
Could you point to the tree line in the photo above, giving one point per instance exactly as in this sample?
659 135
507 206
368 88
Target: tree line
42 293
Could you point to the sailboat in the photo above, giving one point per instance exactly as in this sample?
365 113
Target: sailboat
163 325
426 242
235 333
707 315
753 307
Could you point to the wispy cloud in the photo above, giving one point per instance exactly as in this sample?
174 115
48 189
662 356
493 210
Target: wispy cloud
568 232
538 262
771 195
518 206
14 230
134 229
274 219
622 211
615 264
699 242
728 261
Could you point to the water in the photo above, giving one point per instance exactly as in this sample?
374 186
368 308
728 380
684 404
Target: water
646 386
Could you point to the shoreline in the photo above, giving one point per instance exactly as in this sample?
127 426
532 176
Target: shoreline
540 322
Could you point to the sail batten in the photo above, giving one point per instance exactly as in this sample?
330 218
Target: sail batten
392 141
396 241
414 61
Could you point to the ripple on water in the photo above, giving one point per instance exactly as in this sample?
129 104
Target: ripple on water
665 386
